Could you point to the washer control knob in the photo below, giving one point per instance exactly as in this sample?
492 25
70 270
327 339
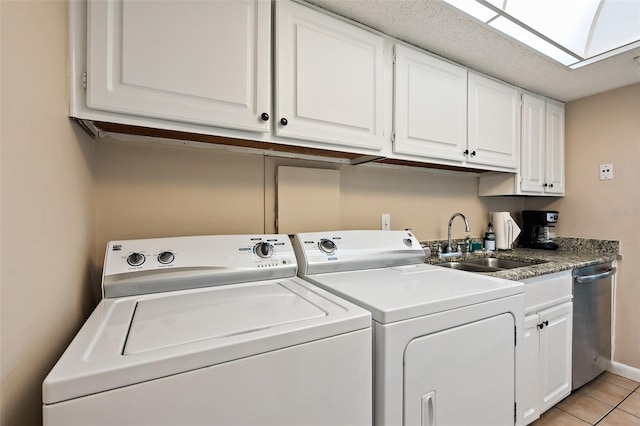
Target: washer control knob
327 246
135 259
264 250
166 257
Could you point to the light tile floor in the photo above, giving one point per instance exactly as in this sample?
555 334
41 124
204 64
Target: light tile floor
609 400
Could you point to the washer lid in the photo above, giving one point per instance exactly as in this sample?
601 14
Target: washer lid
135 339
171 321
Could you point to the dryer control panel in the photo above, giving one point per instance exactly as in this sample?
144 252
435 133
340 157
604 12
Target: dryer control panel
165 264
337 251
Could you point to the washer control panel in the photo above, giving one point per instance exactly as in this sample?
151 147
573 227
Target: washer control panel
220 258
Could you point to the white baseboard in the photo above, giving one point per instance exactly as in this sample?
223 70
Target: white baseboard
625 371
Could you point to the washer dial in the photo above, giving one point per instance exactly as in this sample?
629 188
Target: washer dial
327 246
264 250
166 257
136 259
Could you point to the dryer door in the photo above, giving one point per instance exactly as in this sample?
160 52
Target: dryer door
462 376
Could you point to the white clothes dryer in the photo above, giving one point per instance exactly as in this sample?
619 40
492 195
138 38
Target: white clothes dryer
446 342
213 330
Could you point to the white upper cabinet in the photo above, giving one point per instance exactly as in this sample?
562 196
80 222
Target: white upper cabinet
532 165
203 62
555 149
541 156
542 165
494 123
329 79
430 108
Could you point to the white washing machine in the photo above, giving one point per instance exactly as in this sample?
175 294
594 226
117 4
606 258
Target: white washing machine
213 330
446 342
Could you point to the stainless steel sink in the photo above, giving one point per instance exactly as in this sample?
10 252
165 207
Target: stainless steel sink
486 264
493 262
467 267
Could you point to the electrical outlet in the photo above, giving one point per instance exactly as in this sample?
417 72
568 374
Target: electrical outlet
385 222
606 171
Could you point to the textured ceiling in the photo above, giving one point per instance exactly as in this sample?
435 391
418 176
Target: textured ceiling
447 32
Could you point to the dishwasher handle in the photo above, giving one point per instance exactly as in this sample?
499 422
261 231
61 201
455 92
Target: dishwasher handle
595 277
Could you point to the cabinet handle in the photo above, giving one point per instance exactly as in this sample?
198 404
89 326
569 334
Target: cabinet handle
264 116
466 152
473 153
284 121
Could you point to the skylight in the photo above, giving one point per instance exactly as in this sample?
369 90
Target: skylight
572 32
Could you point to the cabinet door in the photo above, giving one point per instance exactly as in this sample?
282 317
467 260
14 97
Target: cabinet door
205 62
533 159
430 108
530 404
329 79
555 149
494 123
555 354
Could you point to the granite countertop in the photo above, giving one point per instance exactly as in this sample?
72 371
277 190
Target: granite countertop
572 253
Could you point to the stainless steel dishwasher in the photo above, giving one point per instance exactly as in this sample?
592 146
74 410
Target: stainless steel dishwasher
591 322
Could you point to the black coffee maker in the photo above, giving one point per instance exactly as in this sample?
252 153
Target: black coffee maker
538 229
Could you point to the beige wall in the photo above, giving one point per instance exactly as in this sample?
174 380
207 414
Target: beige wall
47 206
605 128
150 189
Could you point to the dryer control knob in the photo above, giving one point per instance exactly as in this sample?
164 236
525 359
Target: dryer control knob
264 250
327 246
136 259
407 242
166 257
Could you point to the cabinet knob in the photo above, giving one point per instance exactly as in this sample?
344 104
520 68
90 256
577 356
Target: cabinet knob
284 121
473 153
550 185
545 185
466 152
546 323
264 116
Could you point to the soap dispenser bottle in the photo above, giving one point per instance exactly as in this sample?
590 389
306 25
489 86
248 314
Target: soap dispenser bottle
489 238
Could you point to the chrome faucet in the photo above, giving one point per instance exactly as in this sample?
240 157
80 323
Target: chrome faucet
448 252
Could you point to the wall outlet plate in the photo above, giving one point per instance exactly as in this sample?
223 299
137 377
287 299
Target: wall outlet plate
385 222
606 171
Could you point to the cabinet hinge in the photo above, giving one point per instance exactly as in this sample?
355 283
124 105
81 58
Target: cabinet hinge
393 56
84 82
515 336
393 136
515 412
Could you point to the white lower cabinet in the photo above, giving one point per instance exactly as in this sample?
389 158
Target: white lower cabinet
546 377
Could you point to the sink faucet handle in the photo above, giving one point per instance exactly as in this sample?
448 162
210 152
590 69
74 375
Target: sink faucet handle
460 245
